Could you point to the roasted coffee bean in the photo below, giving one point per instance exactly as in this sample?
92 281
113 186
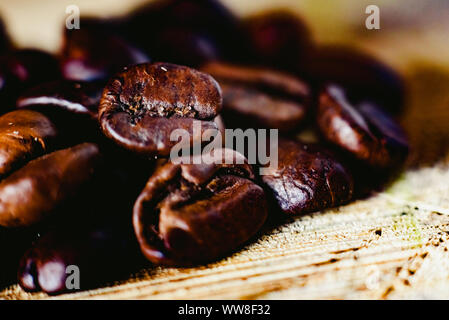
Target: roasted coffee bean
29 195
254 97
277 38
94 54
207 24
141 106
94 255
70 105
92 231
76 97
191 213
24 135
363 76
308 178
364 130
184 47
23 69
13 244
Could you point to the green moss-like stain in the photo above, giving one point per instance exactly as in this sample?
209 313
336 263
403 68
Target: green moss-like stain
409 227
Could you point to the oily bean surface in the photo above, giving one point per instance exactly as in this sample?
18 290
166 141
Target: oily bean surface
364 131
30 194
24 135
260 98
308 179
191 213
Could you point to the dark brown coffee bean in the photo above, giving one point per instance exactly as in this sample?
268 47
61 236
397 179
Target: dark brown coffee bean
190 213
141 106
91 54
277 38
24 135
363 76
208 27
364 130
23 69
307 179
76 97
71 105
13 244
184 47
30 194
92 231
99 254
254 97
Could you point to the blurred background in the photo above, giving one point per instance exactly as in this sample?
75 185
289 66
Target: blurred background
413 40
410 29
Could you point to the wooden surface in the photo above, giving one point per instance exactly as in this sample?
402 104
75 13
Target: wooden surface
391 245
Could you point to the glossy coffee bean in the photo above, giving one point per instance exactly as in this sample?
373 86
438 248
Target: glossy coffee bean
71 105
204 22
144 104
308 178
22 69
24 135
364 130
30 194
260 98
96 255
363 76
277 38
75 97
94 54
191 213
93 231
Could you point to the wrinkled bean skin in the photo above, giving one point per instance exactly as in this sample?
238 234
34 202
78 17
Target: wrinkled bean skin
277 38
364 131
22 69
24 135
102 254
363 76
30 194
308 179
209 210
94 54
141 106
260 98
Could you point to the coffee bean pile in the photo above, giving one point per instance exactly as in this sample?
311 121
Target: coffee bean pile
85 174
